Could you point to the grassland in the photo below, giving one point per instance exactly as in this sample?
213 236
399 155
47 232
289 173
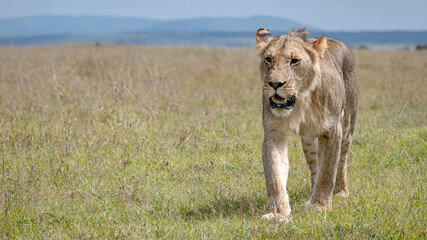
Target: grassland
134 142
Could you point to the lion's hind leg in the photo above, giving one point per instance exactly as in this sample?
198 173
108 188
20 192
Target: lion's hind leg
310 148
341 186
329 145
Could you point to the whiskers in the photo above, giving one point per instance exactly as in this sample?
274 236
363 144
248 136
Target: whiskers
268 91
284 92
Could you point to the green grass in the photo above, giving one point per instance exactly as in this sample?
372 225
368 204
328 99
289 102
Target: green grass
136 142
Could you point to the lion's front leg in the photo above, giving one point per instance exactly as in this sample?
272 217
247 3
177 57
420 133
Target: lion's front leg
276 168
329 147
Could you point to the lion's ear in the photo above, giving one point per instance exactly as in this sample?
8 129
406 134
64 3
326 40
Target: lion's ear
320 46
263 38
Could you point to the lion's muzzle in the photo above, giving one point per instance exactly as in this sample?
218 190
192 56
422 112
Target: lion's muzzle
277 101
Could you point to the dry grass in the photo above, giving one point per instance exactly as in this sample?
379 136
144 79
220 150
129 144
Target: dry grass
138 142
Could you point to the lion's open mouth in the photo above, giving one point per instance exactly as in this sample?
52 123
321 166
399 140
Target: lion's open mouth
277 101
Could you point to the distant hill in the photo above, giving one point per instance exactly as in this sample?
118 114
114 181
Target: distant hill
55 25
48 30
228 24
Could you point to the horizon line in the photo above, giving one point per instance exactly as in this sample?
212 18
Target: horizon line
211 17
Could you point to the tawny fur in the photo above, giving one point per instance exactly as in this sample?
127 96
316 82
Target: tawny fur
325 82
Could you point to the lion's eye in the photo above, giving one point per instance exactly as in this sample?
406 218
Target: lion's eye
268 60
294 61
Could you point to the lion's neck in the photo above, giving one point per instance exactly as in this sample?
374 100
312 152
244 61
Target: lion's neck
308 115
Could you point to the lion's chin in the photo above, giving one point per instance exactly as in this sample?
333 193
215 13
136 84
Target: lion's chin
281 112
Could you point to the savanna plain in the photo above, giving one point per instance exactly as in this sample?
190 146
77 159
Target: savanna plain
133 142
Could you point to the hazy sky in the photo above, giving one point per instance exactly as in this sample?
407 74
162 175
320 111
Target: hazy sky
324 14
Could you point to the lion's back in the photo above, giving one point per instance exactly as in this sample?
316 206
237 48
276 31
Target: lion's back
345 64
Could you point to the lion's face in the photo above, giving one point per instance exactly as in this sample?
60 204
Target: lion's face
285 64
288 69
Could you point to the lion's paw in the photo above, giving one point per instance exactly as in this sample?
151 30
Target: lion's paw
277 217
317 205
341 193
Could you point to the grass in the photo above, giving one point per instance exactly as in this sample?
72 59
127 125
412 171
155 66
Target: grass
137 142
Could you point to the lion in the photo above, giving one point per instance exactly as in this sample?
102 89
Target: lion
310 87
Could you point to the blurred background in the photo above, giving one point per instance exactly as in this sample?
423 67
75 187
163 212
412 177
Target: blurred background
379 24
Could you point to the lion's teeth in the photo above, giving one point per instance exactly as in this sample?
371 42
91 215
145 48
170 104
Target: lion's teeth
278 101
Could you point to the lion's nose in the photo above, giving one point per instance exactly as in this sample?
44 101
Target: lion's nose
276 85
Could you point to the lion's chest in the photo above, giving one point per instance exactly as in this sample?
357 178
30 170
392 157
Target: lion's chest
308 130
312 122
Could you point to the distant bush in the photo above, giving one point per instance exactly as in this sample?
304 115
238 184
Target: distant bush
421 47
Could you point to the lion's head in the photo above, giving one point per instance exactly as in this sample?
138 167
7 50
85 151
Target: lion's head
289 67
